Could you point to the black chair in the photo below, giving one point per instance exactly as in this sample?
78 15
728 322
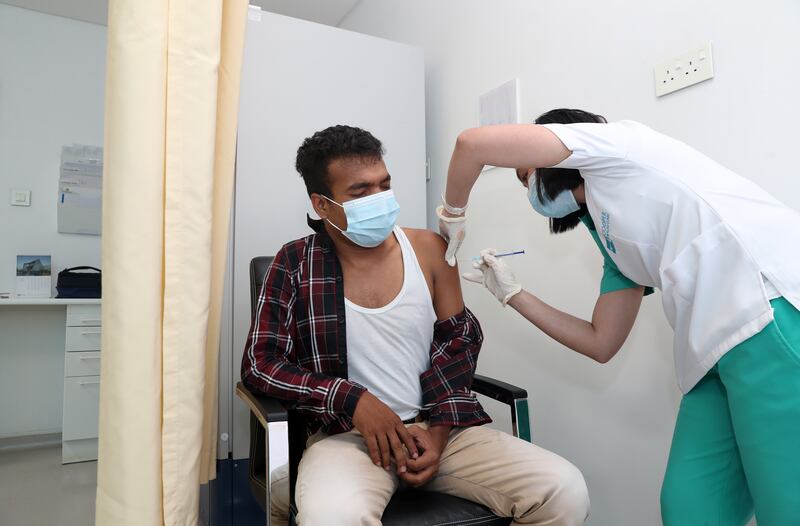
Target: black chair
408 507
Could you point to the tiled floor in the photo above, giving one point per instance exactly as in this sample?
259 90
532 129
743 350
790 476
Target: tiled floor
36 490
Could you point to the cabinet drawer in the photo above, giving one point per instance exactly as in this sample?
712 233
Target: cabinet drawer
81 407
84 363
83 315
83 339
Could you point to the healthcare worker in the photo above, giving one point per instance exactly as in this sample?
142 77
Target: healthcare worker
726 257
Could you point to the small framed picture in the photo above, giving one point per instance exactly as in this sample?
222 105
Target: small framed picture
33 276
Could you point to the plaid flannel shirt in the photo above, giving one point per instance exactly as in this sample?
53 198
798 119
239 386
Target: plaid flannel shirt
296 350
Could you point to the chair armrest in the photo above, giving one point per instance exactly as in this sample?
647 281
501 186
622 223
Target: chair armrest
515 397
500 391
266 409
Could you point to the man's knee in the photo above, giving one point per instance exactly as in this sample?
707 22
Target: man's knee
338 484
570 495
562 497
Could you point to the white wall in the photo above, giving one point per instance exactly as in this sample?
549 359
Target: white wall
52 73
613 421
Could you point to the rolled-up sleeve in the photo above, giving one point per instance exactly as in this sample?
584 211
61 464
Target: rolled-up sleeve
446 386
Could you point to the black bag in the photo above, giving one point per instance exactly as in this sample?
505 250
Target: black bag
71 284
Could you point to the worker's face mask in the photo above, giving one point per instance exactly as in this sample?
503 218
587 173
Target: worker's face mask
563 205
370 219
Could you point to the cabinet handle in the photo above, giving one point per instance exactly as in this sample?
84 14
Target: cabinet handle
90 320
90 383
87 333
84 358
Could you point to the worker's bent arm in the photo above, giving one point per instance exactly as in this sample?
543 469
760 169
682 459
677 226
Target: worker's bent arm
509 146
600 339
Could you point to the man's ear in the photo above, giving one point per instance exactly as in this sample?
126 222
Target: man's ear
320 205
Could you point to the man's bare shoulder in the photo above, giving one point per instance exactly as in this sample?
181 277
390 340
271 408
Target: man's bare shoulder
443 280
430 248
427 239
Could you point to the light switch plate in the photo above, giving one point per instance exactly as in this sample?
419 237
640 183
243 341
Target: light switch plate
20 197
685 70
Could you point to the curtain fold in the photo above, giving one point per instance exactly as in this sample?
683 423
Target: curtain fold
173 70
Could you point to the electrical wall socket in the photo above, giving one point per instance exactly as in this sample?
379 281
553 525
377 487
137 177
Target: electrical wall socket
685 70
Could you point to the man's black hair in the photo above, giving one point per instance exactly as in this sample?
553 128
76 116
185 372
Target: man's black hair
336 142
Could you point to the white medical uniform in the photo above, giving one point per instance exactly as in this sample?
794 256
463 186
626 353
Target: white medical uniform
718 246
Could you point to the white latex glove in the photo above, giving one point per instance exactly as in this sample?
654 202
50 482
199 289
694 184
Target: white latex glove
453 230
495 275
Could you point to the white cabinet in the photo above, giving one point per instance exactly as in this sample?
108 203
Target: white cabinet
81 383
83 315
84 363
83 338
81 400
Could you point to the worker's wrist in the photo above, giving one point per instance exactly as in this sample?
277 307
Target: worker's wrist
453 211
449 214
513 299
447 217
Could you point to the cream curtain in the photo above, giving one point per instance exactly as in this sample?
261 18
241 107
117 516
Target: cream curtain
172 87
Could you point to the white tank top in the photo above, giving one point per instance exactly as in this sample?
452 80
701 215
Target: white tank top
389 347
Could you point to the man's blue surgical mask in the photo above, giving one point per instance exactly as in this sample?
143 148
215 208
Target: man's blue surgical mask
370 219
563 205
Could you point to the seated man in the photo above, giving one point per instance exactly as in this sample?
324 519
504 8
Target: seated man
388 393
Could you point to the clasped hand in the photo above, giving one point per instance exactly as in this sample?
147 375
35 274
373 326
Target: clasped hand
415 451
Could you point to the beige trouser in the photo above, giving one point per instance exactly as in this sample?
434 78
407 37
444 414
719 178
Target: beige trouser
338 485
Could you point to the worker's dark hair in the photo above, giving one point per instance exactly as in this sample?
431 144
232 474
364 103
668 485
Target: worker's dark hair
552 181
336 142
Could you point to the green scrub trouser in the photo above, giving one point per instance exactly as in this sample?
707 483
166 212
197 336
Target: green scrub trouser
736 448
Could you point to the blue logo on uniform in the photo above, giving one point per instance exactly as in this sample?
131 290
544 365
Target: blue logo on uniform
605 228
